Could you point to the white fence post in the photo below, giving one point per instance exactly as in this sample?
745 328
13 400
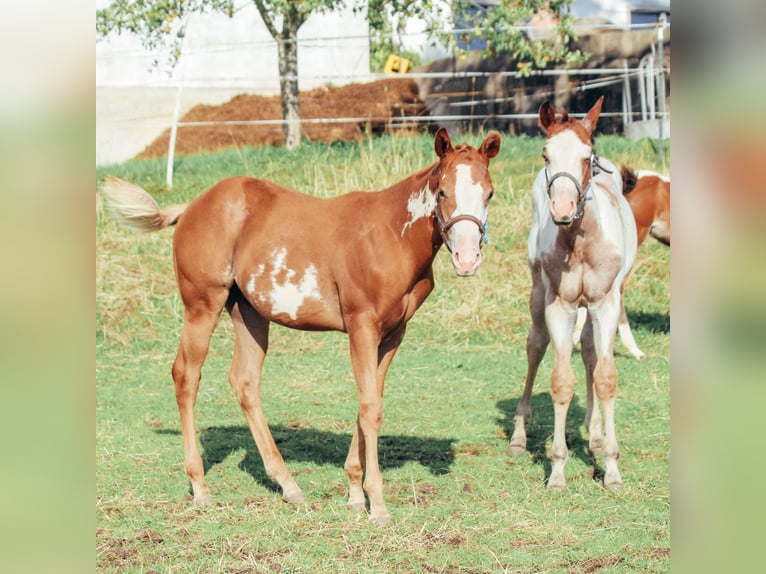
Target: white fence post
172 143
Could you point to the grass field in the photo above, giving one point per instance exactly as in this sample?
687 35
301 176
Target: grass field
458 502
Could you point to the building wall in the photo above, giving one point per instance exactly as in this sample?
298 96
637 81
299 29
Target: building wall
239 52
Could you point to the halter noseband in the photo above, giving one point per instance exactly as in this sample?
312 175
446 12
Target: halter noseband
595 169
445 226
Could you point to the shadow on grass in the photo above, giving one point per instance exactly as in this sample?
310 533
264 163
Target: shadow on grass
652 322
540 430
318 447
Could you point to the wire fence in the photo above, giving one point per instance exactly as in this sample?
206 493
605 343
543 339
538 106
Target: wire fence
460 95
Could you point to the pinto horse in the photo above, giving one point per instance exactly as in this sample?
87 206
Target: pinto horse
648 194
360 263
581 246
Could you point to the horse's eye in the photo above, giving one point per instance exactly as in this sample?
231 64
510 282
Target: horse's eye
442 194
491 195
545 157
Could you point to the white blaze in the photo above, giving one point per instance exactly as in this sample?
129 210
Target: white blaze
469 194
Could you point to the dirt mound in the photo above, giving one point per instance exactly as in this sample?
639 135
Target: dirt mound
375 104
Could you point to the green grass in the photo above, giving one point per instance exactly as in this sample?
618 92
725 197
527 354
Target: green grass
458 502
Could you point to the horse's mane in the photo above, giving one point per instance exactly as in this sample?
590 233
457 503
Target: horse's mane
629 179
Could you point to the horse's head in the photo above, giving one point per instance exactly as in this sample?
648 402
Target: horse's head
463 188
569 160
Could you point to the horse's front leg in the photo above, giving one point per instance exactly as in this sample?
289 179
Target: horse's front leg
560 318
605 316
364 343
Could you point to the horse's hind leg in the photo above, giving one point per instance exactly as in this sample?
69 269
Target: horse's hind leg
200 319
626 334
250 347
537 343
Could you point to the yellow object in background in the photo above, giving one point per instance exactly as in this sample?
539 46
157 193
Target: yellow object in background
395 64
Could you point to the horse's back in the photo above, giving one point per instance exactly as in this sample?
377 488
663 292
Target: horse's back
621 229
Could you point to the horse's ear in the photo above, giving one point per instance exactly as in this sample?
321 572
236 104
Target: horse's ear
491 145
442 143
546 116
590 119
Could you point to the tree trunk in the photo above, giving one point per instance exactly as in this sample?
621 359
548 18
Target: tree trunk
287 48
288 88
288 79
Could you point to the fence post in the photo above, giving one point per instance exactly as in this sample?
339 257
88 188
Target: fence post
661 82
172 142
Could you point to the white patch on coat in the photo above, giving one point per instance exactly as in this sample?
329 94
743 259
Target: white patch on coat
420 204
648 173
288 296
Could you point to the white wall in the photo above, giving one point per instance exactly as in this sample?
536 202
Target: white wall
239 52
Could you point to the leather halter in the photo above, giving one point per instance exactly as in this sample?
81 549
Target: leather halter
445 226
595 169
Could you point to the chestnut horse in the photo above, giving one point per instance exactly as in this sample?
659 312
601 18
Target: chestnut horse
648 194
360 263
581 246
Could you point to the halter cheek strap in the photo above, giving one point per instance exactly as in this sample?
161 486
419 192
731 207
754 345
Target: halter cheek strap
445 226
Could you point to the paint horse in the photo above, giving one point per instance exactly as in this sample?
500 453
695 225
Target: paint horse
648 194
582 244
360 263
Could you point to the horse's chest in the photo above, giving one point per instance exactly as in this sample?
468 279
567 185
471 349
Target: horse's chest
582 273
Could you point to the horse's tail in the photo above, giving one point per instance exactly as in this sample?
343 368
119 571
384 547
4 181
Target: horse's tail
629 179
134 207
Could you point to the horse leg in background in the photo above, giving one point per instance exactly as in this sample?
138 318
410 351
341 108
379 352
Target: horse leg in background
560 319
537 343
354 465
200 318
626 334
593 413
582 314
604 317
251 342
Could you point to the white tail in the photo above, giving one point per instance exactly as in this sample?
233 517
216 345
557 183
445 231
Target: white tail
134 207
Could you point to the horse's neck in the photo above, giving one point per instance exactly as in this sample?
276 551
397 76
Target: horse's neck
412 205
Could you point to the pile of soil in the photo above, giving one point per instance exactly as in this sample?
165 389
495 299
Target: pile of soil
376 102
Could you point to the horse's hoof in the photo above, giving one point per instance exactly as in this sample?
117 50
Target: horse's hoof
358 507
613 486
380 519
516 449
293 497
205 500
557 484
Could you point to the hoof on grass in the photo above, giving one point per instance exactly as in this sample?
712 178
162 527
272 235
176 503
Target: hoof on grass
205 500
557 485
293 497
613 486
358 507
380 519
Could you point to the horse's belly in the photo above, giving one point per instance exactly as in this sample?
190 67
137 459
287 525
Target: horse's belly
293 297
